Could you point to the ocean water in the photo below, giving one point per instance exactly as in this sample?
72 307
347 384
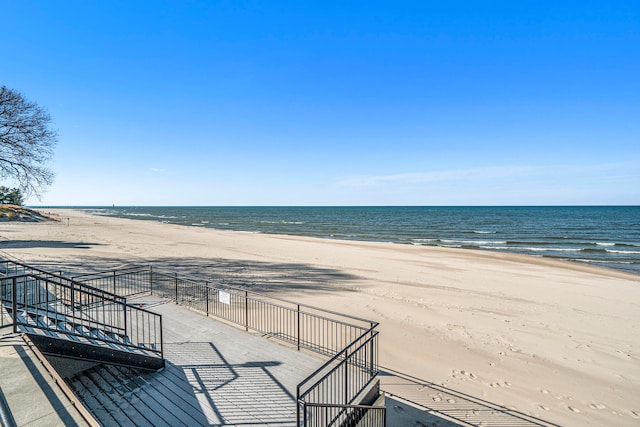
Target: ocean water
607 236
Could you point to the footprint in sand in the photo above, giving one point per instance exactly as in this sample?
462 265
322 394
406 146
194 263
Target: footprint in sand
635 414
469 374
572 409
500 384
543 408
437 399
597 406
544 391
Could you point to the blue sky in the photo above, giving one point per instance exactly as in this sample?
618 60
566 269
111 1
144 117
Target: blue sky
333 103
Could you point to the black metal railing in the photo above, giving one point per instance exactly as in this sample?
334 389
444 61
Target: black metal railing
350 342
344 415
337 383
17 268
10 268
308 327
124 282
44 304
36 299
305 326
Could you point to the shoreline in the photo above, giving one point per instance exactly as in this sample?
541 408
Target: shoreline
513 245
546 337
526 258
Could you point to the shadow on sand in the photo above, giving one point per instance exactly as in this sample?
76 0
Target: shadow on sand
53 244
263 277
436 404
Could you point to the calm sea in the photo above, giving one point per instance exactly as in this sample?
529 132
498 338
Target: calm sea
606 236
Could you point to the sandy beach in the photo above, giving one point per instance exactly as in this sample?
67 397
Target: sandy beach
554 339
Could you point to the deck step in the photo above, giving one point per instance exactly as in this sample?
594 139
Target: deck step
143 397
56 337
84 349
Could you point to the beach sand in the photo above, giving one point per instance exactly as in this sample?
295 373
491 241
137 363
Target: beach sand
554 339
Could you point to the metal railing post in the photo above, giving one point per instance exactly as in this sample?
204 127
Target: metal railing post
298 331
73 301
151 279
46 296
373 345
298 405
161 340
125 319
206 295
114 283
176 287
14 304
246 310
304 414
346 378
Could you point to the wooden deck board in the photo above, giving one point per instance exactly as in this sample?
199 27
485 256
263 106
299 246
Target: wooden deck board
216 374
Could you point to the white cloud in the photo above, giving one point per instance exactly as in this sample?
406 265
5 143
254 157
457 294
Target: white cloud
438 176
486 174
617 183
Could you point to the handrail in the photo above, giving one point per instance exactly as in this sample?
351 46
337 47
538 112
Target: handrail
240 289
104 272
352 365
73 309
117 281
340 381
344 415
55 277
339 357
196 280
26 267
6 417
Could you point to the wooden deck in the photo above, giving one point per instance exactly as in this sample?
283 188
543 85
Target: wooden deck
216 375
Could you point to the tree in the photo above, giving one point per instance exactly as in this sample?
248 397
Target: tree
26 142
11 196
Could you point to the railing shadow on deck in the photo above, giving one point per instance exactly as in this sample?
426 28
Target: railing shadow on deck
198 386
334 390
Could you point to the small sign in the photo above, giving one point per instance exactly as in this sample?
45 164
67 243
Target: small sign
224 297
